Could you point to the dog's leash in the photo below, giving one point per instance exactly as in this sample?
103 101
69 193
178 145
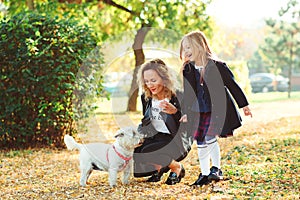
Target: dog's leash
126 159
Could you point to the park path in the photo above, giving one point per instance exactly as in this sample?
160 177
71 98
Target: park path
263 113
266 112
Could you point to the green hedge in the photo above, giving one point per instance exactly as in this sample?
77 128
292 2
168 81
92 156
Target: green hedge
39 61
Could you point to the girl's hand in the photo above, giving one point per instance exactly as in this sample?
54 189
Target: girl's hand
168 107
247 111
183 118
185 61
185 58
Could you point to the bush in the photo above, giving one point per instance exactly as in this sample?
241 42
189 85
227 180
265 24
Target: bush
241 75
39 60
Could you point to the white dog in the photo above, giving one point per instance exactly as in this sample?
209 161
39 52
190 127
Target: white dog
113 158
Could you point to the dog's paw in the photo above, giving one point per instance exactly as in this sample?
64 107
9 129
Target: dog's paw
83 184
125 182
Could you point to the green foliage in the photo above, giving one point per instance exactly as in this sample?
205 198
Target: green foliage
15 6
256 64
40 58
241 73
178 16
181 17
84 13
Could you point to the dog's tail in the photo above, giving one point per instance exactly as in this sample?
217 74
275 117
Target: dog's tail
71 143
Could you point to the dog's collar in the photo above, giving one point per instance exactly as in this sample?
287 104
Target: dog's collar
121 156
126 159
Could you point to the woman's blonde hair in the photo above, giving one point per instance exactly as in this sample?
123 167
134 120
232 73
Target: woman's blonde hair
198 41
162 70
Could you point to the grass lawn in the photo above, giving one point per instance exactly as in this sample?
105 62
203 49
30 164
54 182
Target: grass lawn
119 105
273 96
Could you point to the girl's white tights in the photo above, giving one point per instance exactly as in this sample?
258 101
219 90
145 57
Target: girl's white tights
215 155
210 150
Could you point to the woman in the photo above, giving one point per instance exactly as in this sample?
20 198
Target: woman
162 149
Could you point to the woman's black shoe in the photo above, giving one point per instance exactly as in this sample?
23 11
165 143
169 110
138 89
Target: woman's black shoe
202 180
155 177
173 179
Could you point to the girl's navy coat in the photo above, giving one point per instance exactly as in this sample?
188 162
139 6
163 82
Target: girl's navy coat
219 87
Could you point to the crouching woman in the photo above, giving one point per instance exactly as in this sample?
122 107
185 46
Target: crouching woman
162 148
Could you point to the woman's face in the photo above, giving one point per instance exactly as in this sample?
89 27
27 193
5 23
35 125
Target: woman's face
154 82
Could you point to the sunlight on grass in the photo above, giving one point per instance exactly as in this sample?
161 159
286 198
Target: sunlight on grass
119 104
272 96
114 105
265 170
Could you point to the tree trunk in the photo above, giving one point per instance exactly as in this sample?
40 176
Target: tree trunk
290 67
139 60
30 4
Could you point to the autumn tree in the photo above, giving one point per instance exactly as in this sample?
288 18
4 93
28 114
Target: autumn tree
142 16
179 16
282 45
111 18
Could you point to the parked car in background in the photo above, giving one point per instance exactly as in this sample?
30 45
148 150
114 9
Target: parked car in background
266 82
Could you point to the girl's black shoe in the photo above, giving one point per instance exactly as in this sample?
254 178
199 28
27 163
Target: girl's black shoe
173 178
202 180
215 174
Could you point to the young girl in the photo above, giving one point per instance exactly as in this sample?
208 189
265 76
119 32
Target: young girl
211 111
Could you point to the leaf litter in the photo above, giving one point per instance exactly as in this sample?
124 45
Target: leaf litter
261 161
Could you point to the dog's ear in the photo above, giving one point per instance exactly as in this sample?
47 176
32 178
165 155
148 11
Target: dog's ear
120 133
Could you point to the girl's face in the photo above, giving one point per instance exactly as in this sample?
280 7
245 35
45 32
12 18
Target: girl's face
188 53
154 83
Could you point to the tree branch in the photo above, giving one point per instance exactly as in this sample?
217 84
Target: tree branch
114 4
108 2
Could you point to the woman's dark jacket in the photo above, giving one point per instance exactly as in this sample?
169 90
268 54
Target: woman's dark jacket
219 87
171 121
163 144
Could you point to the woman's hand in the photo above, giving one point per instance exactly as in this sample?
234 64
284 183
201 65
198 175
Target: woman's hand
168 107
247 111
